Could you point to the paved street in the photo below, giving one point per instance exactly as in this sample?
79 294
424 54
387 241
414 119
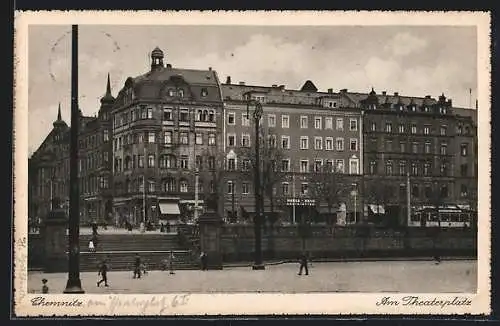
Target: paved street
381 276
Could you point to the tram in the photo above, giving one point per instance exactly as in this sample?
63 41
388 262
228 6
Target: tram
450 216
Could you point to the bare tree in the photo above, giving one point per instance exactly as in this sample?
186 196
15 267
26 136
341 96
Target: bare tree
379 192
212 178
271 157
327 184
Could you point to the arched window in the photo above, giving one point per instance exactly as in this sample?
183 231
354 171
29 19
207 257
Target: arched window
199 116
180 93
171 92
128 186
183 185
168 185
205 115
170 161
128 163
211 116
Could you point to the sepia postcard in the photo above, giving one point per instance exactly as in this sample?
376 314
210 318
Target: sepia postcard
251 163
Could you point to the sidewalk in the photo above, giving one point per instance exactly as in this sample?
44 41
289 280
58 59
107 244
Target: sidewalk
382 276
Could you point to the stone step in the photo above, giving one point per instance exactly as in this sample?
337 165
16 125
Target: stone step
124 260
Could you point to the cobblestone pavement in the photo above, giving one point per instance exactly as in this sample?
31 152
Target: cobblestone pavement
382 276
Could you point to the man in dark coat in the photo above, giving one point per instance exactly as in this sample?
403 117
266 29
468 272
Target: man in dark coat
303 264
203 258
103 272
137 266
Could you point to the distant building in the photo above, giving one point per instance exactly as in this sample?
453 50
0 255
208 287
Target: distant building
49 167
421 139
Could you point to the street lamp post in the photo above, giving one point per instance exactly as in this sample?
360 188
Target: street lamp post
257 114
354 193
74 284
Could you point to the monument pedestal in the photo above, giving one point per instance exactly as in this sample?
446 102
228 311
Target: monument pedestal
210 234
53 231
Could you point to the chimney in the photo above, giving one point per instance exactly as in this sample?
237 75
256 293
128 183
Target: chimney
427 96
282 86
242 83
228 80
396 94
449 102
343 90
384 93
209 68
274 86
169 66
330 90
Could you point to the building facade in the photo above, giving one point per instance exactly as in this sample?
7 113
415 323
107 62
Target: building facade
173 137
49 167
309 131
165 131
415 142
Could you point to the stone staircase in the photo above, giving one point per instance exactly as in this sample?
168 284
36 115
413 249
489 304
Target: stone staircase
124 260
120 249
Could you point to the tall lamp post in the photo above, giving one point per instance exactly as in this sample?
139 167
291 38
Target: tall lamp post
257 114
74 284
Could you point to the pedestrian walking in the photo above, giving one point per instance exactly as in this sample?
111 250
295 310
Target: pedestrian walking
137 266
203 259
171 263
144 269
303 264
103 272
91 246
45 288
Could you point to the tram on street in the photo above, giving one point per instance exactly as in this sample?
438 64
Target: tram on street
451 216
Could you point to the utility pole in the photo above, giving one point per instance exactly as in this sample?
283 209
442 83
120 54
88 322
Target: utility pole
232 205
74 285
196 175
143 227
293 195
258 265
408 198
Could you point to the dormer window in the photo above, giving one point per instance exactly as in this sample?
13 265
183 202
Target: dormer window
413 108
401 108
180 93
204 92
426 109
171 92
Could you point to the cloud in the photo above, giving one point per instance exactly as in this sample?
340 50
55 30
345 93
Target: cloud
262 59
403 44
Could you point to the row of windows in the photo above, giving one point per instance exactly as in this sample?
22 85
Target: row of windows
303 122
93 140
330 165
416 168
144 112
320 143
151 138
166 161
91 185
167 185
416 147
410 108
402 129
93 161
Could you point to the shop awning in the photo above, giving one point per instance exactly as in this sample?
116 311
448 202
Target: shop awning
169 208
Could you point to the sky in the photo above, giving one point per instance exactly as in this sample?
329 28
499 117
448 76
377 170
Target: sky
411 60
